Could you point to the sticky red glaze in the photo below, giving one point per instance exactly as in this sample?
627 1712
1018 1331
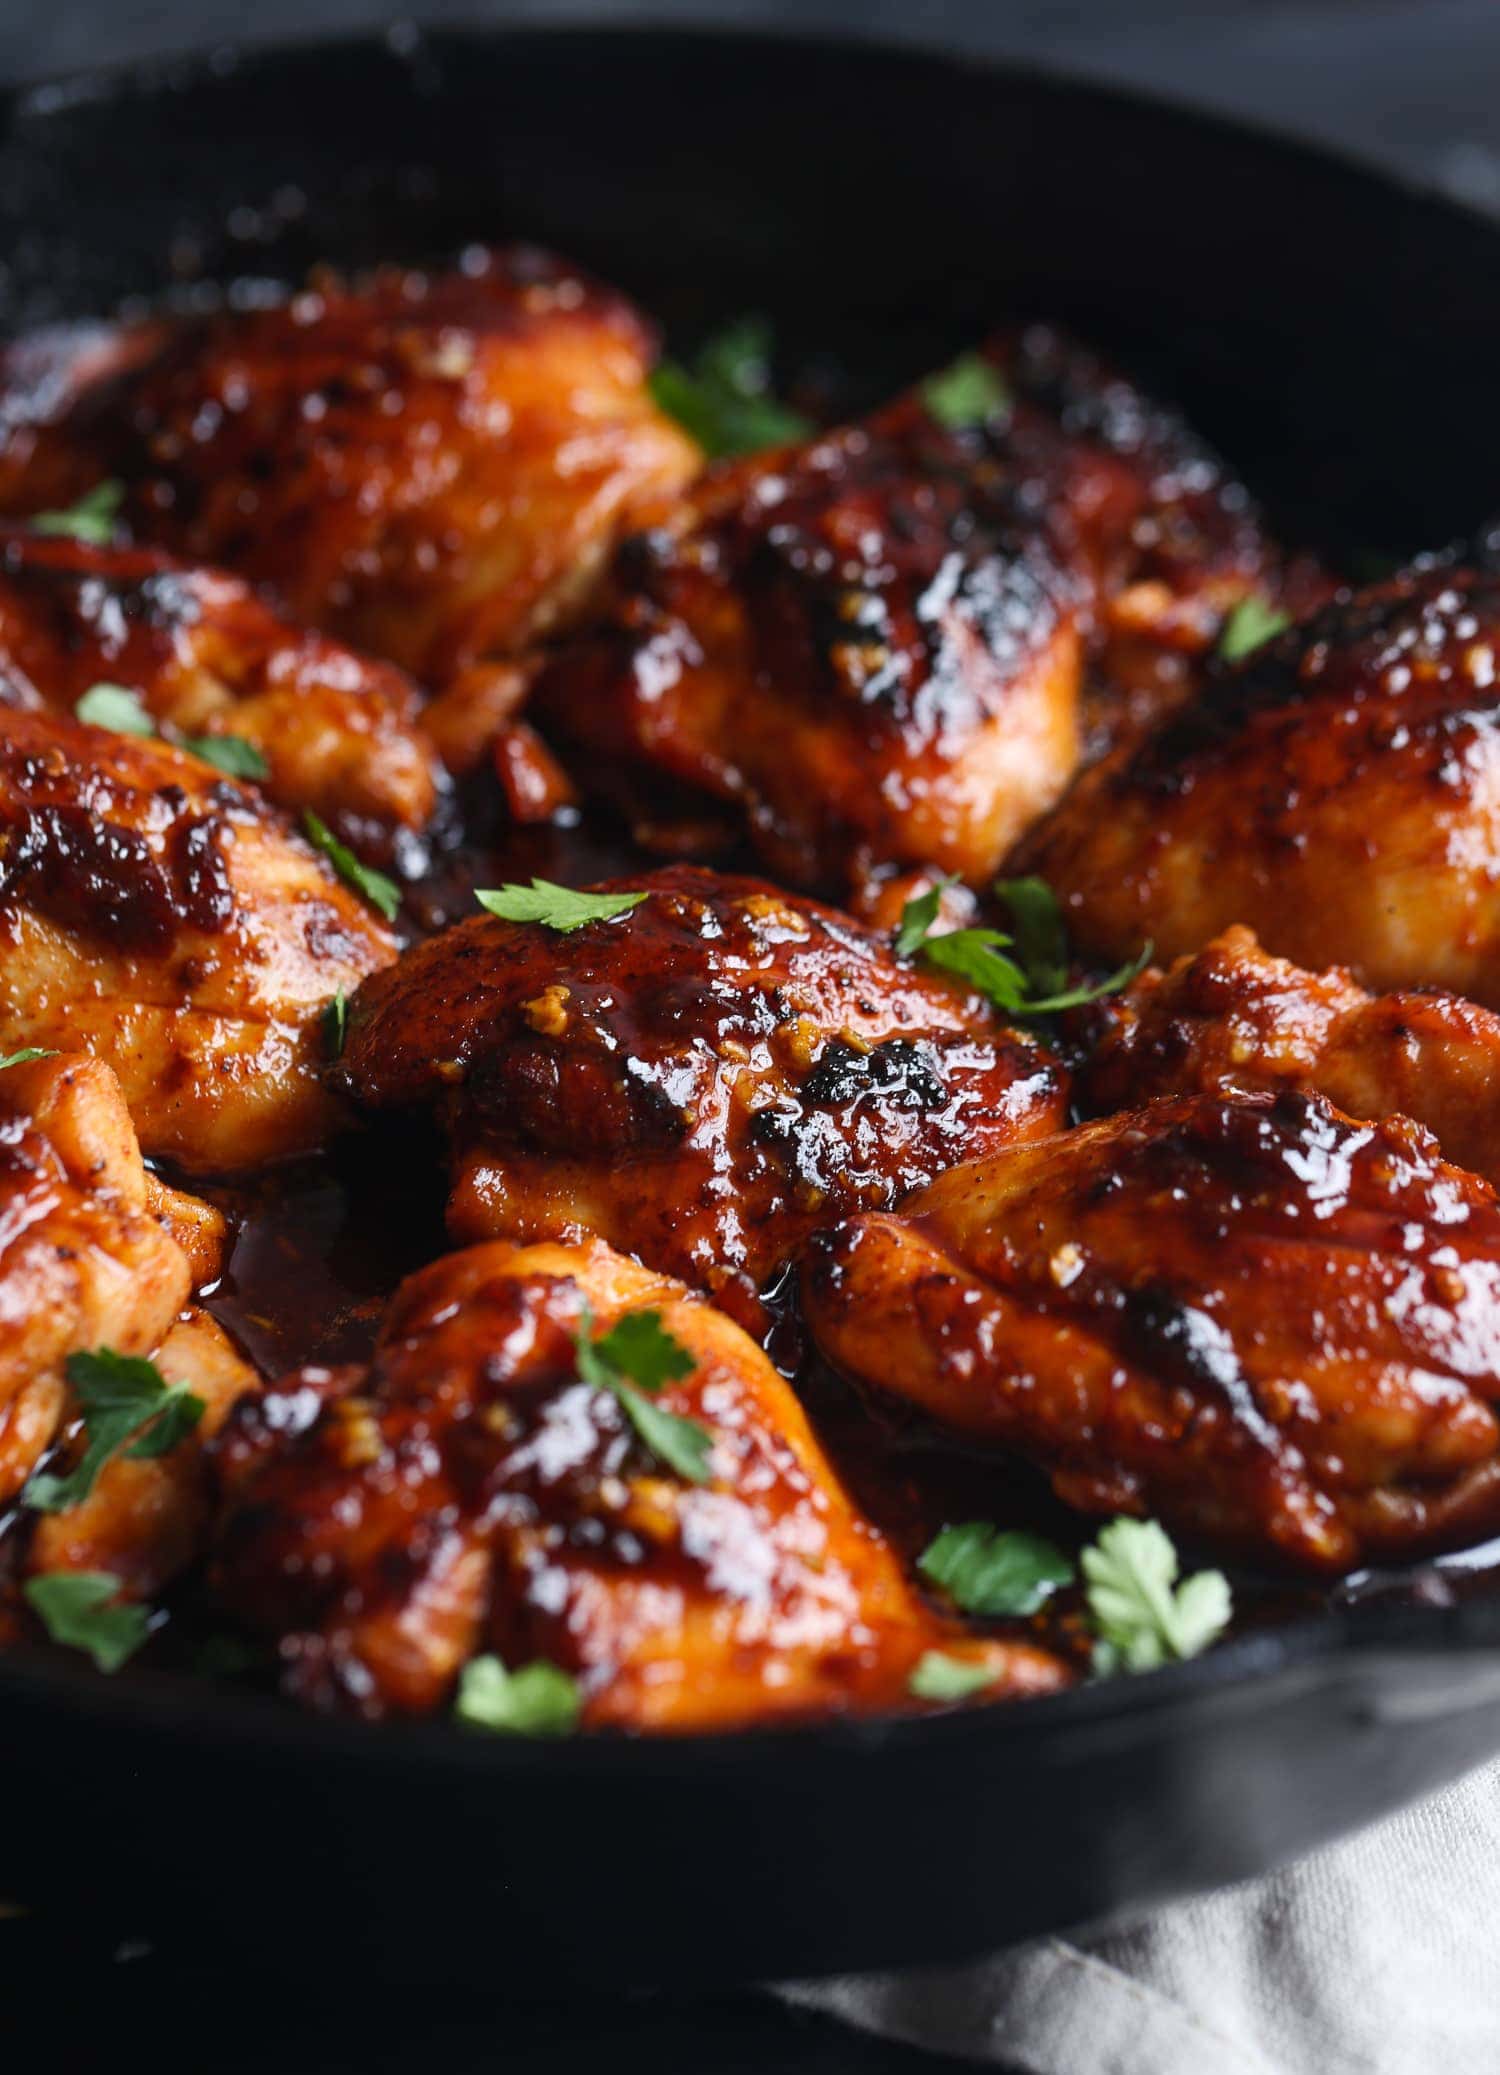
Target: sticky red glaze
207 657
1246 1315
1338 793
849 643
702 1080
166 919
428 465
468 1491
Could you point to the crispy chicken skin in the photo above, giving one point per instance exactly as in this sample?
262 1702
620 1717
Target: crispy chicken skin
207 657
1234 1017
1245 1314
427 465
88 1260
849 644
1338 793
468 1492
164 918
700 1081
1162 537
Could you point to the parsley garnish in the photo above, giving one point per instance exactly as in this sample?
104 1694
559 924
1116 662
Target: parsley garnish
78 1608
555 907
382 893
92 519
1252 623
231 754
1143 1616
116 707
986 1570
724 399
123 1398
335 1024
633 1361
540 1699
966 392
26 1054
978 955
940 1677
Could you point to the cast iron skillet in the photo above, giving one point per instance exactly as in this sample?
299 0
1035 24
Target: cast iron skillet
1338 335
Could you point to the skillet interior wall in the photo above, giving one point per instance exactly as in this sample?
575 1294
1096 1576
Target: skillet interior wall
1338 353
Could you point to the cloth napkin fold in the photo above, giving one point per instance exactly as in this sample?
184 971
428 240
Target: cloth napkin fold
1380 1956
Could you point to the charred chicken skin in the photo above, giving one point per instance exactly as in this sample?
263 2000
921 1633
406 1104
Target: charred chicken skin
1234 1017
163 918
1338 793
88 1260
427 465
207 658
702 1080
470 1492
1264 1323
1164 540
848 644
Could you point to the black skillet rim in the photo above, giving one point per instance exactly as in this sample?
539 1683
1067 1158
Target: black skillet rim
180 1706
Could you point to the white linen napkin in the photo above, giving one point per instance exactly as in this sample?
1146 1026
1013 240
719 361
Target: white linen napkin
1380 1956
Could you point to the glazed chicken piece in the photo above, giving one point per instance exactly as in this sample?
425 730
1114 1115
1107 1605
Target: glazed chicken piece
1245 1314
1234 1017
470 1492
162 917
207 658
849 645
427 465
701 1081
1163 538
1338 793
88 1261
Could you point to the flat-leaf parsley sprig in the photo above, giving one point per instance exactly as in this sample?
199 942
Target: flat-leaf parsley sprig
1030 984
632 1362
116 707
724 398
128 1408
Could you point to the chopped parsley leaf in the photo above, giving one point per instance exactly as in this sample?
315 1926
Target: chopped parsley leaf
124 1399
988 1570
632 1362
92 519
79 1608
383 894
539 1699
555 907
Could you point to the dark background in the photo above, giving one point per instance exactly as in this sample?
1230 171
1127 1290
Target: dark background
1408 83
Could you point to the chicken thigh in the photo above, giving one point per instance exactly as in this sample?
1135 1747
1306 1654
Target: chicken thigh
1338 793
88 1262
849 645
701 1080
162 917
472 1492
1234 1017
427 465
1267 1324
207 659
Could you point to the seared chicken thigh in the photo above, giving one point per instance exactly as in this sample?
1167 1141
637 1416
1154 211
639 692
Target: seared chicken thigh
162 917
1338 793
701 1081
207 658
1234 1017
470 1491
1246 1314
427 465
849 644
88 1261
